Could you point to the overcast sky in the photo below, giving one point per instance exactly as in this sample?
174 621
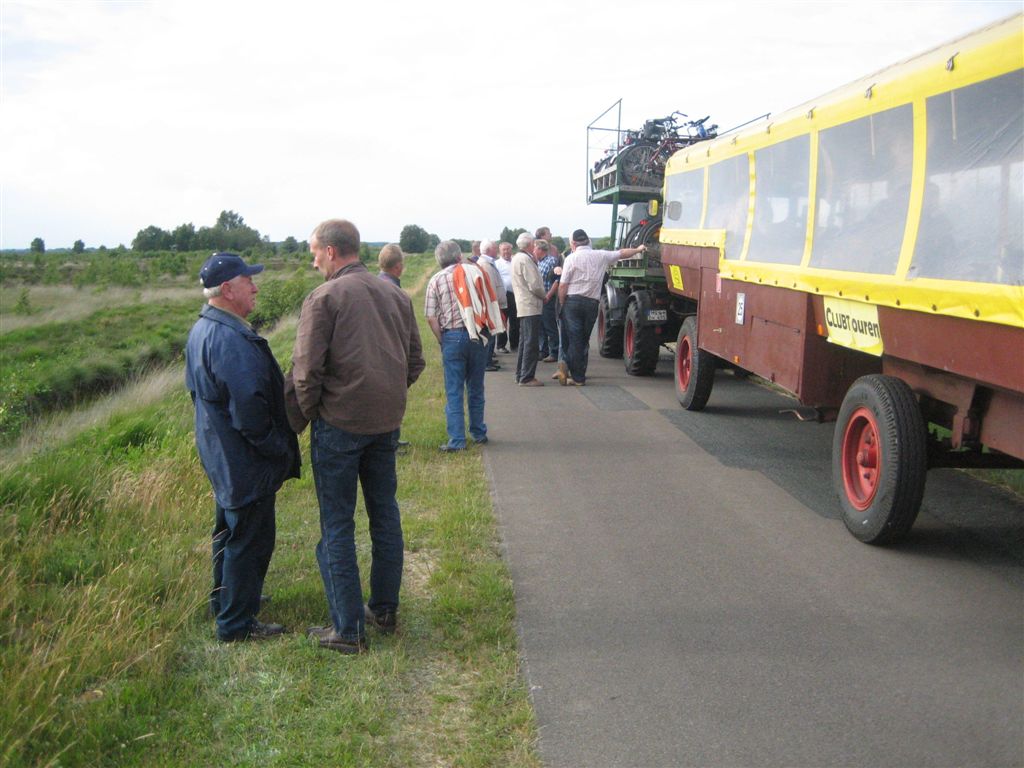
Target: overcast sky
462 117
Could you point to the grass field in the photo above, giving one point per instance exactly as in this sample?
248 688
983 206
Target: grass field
107 656
84 342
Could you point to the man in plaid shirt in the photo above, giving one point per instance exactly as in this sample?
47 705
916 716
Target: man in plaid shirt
548 266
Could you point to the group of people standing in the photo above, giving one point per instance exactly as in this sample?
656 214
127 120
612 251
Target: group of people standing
545 308
357 351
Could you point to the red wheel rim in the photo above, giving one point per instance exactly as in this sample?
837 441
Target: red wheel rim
861 459
629 340
684 364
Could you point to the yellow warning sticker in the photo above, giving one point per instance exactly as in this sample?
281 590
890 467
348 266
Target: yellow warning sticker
854 325
677 277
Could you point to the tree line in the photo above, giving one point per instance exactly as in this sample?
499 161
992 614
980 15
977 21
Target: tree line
415 239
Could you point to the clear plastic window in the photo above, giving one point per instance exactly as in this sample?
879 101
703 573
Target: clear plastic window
729 201
782 177
973 209
863 192
686 189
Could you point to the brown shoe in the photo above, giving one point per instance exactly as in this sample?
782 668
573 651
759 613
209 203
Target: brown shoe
386 622
563 373
531 383
335 642
554 375
549 359
319 632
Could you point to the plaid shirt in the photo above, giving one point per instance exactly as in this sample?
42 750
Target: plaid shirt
441 301
546 267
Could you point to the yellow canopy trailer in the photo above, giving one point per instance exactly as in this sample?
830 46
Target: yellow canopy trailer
864 252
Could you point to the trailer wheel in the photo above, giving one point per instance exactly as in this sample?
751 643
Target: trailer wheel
694 369
879 458
609 337
640 344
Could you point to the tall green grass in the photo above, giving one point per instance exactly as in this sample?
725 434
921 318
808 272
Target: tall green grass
107 656
58 364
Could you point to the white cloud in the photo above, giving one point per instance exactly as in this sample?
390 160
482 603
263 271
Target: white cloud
461 117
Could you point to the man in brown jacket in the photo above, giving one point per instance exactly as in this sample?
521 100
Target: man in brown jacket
357 350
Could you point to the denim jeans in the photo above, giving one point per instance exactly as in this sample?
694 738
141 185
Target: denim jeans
580 314
243 541
464 364
549 329
340 459
529 347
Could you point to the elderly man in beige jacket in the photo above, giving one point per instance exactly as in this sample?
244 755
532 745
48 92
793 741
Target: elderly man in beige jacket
528 288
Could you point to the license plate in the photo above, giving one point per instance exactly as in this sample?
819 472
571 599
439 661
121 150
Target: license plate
657 315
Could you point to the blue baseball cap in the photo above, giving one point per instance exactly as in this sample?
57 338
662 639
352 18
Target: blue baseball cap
222 267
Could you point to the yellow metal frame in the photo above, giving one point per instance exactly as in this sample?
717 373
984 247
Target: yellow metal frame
993 51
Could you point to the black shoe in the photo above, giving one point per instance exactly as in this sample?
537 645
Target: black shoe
261 631
257 631
492 367
335 642
480 441
386 623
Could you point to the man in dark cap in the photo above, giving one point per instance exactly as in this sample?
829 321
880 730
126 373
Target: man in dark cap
578 293
245 443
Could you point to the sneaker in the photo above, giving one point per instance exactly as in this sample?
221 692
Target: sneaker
577 383
531 383
563 373
503 350
332 641
386 623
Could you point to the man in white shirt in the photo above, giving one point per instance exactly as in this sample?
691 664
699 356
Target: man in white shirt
579 291
488 252
503 264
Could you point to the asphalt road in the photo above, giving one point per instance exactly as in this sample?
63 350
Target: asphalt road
687 594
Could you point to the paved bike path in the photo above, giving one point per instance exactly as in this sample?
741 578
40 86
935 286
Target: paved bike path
685 596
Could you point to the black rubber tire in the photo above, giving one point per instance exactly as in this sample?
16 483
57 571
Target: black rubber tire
609 338
694 368
879 459
641 344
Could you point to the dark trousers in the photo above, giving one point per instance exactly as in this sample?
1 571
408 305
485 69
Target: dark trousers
511 322
579 316
549 329
243 541
529 347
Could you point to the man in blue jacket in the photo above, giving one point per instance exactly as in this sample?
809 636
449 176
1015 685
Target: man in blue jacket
245 443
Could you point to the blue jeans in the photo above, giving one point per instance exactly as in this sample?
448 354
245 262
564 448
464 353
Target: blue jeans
579 315
549 329
243 541
464 364
339 460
